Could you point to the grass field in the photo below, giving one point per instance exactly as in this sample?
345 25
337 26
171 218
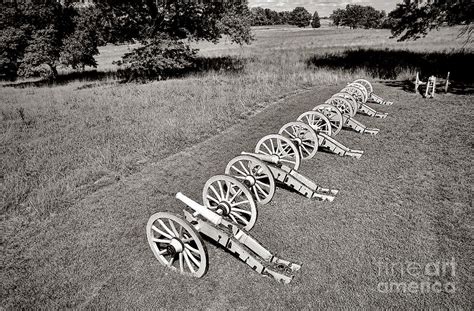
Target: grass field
85 163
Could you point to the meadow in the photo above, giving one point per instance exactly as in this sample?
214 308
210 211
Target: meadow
63 144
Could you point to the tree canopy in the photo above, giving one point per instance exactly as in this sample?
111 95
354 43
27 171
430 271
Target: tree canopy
413 21
300 17
40 33
315 22
358 16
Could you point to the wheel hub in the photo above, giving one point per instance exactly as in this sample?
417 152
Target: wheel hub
249 180
175 247
223 208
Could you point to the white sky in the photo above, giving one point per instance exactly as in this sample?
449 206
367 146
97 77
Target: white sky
324 7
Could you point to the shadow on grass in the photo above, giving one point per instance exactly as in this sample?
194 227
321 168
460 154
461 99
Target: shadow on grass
96 78
394 64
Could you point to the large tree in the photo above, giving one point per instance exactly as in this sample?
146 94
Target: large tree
161 26
41 33
337 16
358 16
412 21
315 22
300 17
34 35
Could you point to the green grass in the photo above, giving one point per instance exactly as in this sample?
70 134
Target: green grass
67 150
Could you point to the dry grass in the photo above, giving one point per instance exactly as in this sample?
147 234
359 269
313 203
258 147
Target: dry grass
62 143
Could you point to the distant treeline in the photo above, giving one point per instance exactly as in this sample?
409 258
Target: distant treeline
358 16
264 17
354 16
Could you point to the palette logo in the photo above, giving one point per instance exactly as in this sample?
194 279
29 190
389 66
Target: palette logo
414 277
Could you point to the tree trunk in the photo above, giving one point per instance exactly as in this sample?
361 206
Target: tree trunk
54 72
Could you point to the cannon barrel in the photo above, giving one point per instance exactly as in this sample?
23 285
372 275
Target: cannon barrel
201 210
264 157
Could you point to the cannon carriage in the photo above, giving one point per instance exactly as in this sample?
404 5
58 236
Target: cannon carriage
178 244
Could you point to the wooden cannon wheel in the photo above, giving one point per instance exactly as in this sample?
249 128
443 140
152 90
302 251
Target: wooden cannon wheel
254 174
334 116
317 121
352 101
342 104
362 88
227 196
356 92
303 136
283 149
366 84
176 244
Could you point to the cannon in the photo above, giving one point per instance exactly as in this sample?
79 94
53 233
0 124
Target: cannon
327 121
281 157
347 112
431 85
359 92
372 97
177 243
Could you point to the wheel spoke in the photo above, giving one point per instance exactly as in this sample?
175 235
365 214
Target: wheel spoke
261 190
233 218
170 263
190 265
306 149
238 203
266 147
242 211
263 184
238 170
192 249
161 232
244 168
300 150
161 241
215 192
242 219
273 146
165 227
291 135
227 194
173 228
181 264
235 196
212 199
256 194
221 190
193 259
